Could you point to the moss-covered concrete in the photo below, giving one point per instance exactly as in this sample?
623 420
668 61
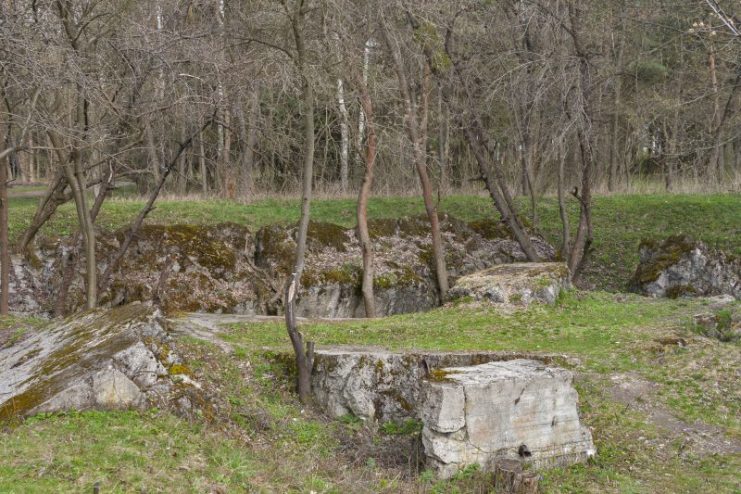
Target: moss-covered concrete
660 255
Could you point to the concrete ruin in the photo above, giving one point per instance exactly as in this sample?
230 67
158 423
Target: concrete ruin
475 407
515 283
228 268
681 266
109 359
515 409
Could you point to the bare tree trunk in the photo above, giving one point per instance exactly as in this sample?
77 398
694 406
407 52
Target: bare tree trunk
202 163
362 213
369 44
154 162
182 179
304 356
72 169
230 179
249 141
344 136
69 262
613 170
4 241
583 240
33 159
420 162
304 359
415 124
716 163
565 227
443 146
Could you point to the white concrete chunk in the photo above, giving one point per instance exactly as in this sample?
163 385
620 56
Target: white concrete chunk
513 409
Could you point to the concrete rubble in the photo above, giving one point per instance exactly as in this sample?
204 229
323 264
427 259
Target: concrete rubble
111 359
475 407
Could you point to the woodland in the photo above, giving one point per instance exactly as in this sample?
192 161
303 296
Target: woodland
246 99
576 128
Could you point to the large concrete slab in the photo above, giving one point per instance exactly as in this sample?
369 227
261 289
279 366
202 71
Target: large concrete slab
117 358
377 384
517 409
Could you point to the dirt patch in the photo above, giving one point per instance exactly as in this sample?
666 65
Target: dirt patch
698 438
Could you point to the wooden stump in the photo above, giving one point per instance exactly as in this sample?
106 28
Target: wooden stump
509 478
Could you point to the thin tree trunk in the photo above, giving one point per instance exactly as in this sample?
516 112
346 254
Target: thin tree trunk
202 164
154 162
362 213
182 180
715 165
415 124
613 171
420 163
75 178
369 44
583 240
249 131
304 356
4 241
443 146
344 136
565 227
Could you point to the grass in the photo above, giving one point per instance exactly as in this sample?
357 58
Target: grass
123 451
620 222
608 333
263 440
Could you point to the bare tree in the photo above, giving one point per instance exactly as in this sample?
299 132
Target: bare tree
414 85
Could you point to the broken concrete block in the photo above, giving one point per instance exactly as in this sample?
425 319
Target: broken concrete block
519 409
518 283
97 359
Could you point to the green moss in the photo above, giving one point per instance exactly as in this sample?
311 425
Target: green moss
439 375
490 229
382 227
91 339
384 282
414 226
379 366
274 244
324 234
406 277
680 291
543 282
349 274
427 257
181 369
213 247
665 255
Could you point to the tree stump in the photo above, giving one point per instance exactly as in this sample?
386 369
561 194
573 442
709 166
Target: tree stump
509 478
